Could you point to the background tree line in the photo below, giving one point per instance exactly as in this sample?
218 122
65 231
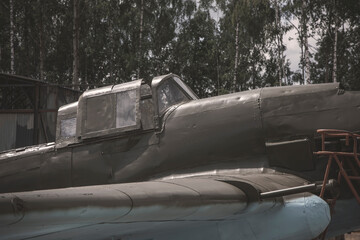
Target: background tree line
216 46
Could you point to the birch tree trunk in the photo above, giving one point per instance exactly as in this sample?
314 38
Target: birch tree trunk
306 45
335 49
327 70
307 62
253 75
27 15
41 40
307 79
279 42
236 57
217 71
111 55
12 51
284 75
140 38
76 45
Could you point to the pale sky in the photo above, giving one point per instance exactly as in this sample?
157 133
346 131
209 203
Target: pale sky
293 51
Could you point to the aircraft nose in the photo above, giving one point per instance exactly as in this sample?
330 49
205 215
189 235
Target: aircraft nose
317 213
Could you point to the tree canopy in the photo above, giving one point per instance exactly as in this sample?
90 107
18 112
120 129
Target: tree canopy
216 46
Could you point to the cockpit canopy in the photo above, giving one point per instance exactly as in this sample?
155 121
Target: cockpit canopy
109 110
120 109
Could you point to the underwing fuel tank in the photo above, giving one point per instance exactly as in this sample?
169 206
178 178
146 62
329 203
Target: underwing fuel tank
235 216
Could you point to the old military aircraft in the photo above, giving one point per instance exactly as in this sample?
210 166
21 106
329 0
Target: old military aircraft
152 161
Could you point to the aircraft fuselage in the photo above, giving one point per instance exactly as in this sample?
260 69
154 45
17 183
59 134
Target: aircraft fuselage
269 128
107 138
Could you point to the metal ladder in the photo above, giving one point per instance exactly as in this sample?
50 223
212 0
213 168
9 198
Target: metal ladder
348 159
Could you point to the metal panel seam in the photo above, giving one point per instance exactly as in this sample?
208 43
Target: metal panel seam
132 202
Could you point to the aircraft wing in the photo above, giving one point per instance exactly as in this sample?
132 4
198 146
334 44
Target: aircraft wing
189 208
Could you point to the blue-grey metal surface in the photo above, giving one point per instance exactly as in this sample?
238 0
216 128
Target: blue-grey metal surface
77 212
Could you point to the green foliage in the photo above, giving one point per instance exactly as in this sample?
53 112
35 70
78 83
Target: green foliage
347 15
256 37
180 36
196 53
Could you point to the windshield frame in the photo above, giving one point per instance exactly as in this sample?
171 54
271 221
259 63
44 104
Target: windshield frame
156 84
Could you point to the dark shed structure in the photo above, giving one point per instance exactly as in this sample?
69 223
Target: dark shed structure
28 110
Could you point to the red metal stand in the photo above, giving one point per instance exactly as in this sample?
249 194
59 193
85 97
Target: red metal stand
341 158
351 159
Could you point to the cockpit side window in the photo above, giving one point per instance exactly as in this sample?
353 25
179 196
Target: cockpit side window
68 127
109 111
169 94
126 108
